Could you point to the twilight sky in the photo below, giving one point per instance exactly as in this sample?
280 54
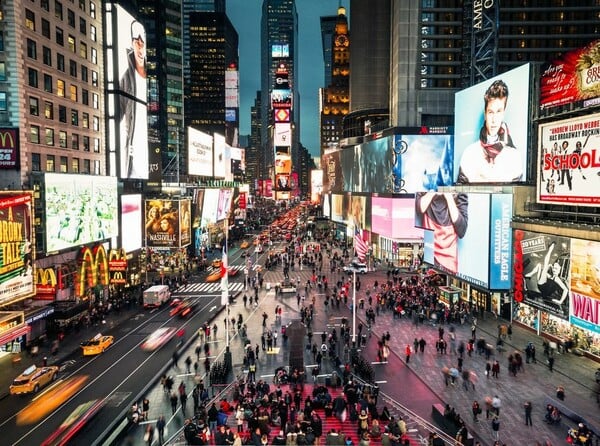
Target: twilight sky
246 16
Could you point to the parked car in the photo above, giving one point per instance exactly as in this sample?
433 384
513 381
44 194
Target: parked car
356 267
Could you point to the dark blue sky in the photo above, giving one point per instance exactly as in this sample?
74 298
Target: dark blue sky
246 16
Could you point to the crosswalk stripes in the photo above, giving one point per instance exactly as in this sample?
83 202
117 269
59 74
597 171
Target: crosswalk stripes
214 287
212 269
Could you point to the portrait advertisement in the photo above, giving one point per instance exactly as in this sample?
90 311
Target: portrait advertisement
162 223
585 284
491 129
133 96
283 182
541 271
357 215
185 223
332 176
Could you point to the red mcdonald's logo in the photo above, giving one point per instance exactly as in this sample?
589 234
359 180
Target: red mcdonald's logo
45 281
117 260
93 269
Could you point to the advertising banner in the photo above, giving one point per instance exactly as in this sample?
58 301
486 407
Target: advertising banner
283 135
224 204
131 222
80 209
16 246
569 159
185 223
209 209
541 267
220 169
333 180
197 202
340 205
162 223
200 153
9 148
585 285
491 128
501 242
394 218
316 185
571 78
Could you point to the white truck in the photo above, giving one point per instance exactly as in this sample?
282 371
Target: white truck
156 295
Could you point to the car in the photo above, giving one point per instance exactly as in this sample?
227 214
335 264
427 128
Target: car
158 338
33 379
96 345
216 263
184 309
356 267
244 244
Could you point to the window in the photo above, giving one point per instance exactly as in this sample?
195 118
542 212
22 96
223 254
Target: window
58 10
75 165
30 19
94 56
64 164
62 113
60 38
85 120
75 141
73 90
45 4
50 137
71 18
94 78
96 124
31 49
85 97
60 62
72 68
47 56
47 83
83 50
2 71
60 88
82 26
50 163
96 167
48 110
34 134
92 10
71 43
34 106
95 101
33 77
93 35
96 145
86 143
82 5
36 162
74 117
3 101
84 73
62 139
46 28
86 166
1 40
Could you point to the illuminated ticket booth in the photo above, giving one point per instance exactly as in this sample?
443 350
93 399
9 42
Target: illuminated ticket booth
13 331
450 295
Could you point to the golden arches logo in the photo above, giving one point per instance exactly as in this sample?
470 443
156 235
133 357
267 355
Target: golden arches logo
7 135
93 269
45 276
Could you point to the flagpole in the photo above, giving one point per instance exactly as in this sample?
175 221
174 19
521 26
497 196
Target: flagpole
227 284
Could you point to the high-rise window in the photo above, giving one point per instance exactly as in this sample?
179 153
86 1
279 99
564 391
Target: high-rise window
48 110
50 163
64 164
60 37
47 83
47 55
71 43
3 105
82 26
58 10
75 165
62 113
73 90
71 18
49 137
31 49
34 106
62 139
60 88
30 19
46 28
34 134
75 141
36 162
33 77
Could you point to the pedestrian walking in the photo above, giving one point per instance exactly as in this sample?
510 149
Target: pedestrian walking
145 408
496 403
160 427
408 351
188 364
528 409
476 409
551 363
175 359
173 399
496 427
149 434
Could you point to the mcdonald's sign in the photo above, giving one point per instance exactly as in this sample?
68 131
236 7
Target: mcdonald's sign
9 148
93 269
45 281
117 260
117 278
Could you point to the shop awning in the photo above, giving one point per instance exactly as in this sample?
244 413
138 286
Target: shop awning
14 334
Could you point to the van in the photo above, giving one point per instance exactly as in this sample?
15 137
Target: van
156 295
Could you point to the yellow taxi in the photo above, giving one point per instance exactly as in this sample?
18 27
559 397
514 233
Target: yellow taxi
33 379
244 244
217 263
96 345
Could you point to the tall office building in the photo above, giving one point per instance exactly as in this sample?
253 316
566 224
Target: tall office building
327 31
213 51
279 45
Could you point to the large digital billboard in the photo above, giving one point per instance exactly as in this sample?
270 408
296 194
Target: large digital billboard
130 45
491 129
569 161
80 209
585 284
224 203
394 218
209 209
333 179
131 222
220 157
200 153
17 253
9 148
340 205
541 267
571 78
167 223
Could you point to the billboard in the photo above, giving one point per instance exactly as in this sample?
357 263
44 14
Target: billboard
224 203
130 46
541 267
80 209
200 153
491 129
131 222
209 208
220 158
569 158
167 223
500 260
198 202
283 182
17 253
585 284
394 218
460 226
281 98
571 78
283 135
333 179
316 185
9 148
340 204
185 222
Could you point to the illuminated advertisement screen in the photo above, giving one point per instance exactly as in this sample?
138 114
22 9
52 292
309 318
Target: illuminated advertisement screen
585 284
209 209
17 252
281 115
80 209
162 223
283 135
197 202
200 153
283 182
281 98
333 179
279 51
316 185
220 157
340 204
500 261
571 78
569 160
461 245
9 148
130 38
131 222
394 218
268 187
541 267
224 204
185 223
406 162
491 127
283 165
326 206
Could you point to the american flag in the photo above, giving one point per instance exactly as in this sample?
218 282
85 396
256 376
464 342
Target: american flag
224 276
360 246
